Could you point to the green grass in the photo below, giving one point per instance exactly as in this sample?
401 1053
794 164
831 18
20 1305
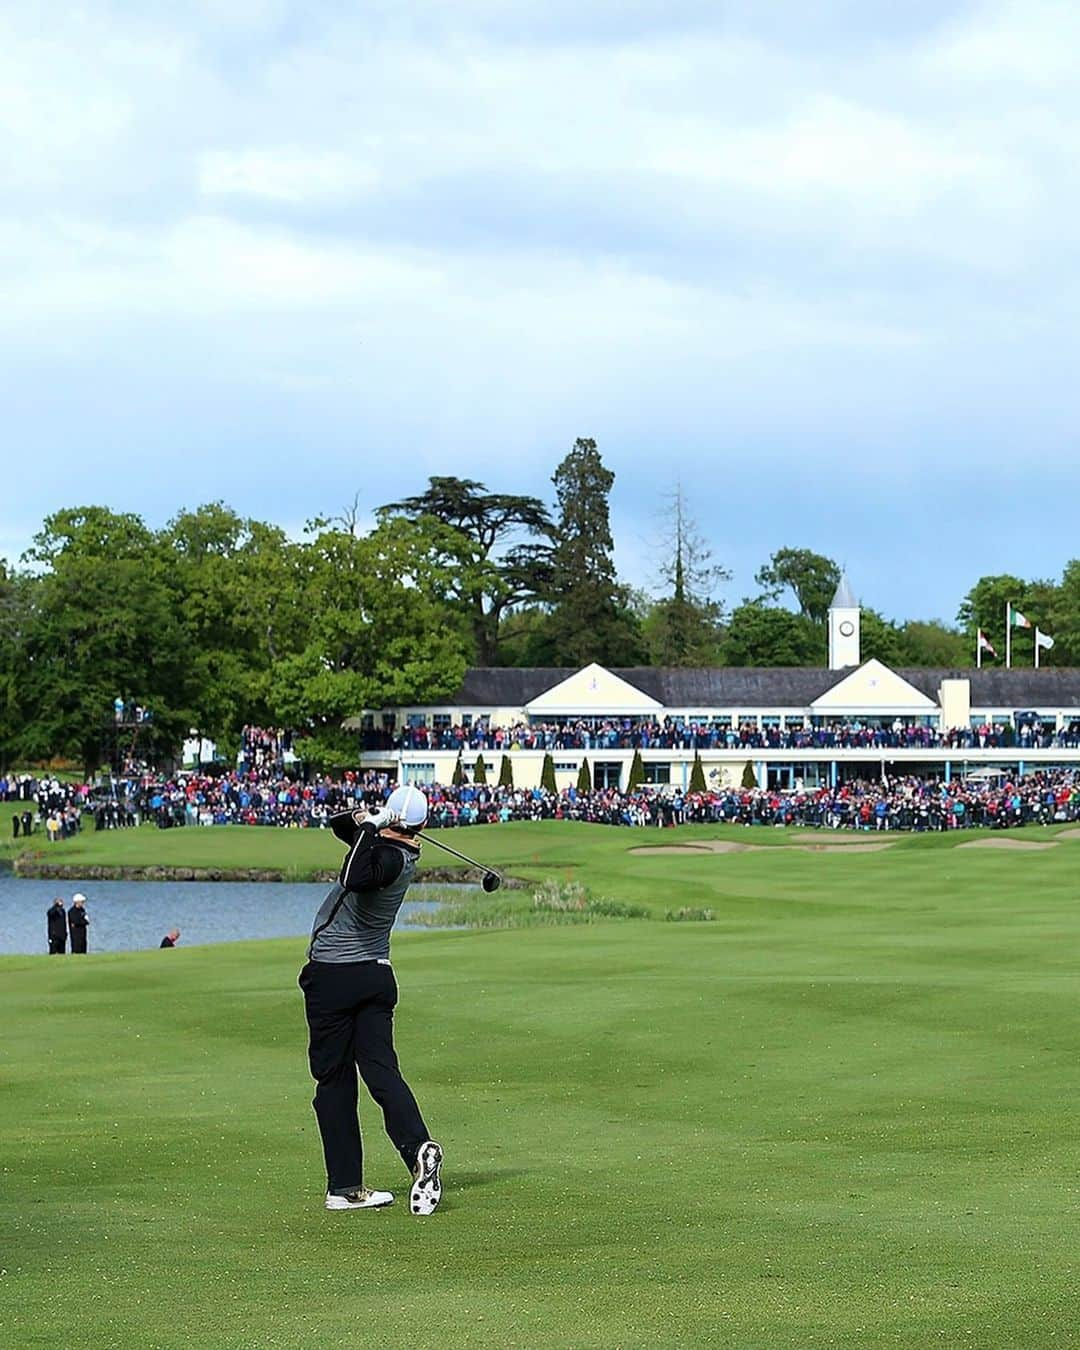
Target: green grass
529 850
841 1114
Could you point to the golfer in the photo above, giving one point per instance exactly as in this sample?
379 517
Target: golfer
349 998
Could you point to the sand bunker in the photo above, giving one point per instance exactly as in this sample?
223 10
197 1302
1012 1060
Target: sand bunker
1069 834
837 837
856 846
728 846
1027 845
706 846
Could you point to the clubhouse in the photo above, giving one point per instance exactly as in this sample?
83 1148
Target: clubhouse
794 727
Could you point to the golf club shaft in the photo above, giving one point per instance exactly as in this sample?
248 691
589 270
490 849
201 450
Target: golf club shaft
429 839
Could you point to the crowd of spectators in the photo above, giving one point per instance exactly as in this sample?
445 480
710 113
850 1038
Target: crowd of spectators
264 748
680 734
265 797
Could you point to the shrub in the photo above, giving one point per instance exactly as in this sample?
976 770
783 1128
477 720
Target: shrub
690 915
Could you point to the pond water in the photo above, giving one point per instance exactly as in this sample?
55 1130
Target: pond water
126 915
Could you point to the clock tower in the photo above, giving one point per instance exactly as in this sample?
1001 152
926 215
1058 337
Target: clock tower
843 627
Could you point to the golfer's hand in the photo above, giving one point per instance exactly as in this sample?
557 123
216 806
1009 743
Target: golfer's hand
382 818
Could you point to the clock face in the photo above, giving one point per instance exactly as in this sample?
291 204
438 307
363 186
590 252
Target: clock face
847 628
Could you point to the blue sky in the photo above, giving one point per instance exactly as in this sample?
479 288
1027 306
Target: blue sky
815 260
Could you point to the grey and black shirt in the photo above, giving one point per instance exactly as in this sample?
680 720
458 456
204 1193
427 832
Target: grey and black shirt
354 921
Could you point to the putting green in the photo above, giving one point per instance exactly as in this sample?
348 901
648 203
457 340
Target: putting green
841 1114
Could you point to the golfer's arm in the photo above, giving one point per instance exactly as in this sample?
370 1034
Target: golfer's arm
344 827
365 868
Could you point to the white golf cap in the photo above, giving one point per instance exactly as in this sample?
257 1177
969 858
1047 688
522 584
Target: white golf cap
409 804
78 896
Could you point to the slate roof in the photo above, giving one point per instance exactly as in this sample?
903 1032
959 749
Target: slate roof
769 686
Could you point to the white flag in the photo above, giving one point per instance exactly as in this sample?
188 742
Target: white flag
1043 640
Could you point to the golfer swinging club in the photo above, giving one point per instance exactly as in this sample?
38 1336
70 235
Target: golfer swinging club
349 997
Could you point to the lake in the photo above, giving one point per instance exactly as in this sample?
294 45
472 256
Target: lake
128 915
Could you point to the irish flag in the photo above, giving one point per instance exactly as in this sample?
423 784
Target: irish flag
1018 620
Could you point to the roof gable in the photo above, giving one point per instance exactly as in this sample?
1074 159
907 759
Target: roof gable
590 691
873 688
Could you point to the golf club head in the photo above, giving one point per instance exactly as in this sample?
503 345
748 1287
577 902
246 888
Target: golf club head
491 882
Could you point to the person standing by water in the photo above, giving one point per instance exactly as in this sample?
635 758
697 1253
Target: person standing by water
56 926
78 922
349 998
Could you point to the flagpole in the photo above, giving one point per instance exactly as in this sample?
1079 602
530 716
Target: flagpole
978 649
1036 649
1008 634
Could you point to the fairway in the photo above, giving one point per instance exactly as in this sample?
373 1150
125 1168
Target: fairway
843 1113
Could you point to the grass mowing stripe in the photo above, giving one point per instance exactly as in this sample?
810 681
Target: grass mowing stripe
842 1114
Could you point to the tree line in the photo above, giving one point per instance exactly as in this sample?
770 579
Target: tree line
214 621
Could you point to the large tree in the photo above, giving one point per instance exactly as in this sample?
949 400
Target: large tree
239 585
811 577
984 607
501 569
17 593
767 635
591 619
929 642
684 627
379 632
104 625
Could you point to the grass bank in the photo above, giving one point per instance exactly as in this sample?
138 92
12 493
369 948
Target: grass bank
842 1113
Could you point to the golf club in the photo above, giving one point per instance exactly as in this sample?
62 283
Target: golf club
491 880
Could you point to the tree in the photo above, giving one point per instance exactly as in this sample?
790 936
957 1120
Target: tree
749 778
104 625
929 642
697 775
765 635
812 578
591 620
458 778
636 775
880 638
480 770
584 777
1063 619
238 586
379 633
683 628
547 774
984 607
504 571
17 596
506 772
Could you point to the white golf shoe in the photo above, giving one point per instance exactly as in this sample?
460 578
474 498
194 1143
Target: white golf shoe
361 1198
426 1189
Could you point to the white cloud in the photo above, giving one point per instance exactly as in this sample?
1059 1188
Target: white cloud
1020 42
283 175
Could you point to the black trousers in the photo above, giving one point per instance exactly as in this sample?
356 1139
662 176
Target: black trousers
57 946
350 1016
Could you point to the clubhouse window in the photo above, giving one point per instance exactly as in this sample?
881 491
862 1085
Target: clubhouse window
607 775
418 773
658 773
566 766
